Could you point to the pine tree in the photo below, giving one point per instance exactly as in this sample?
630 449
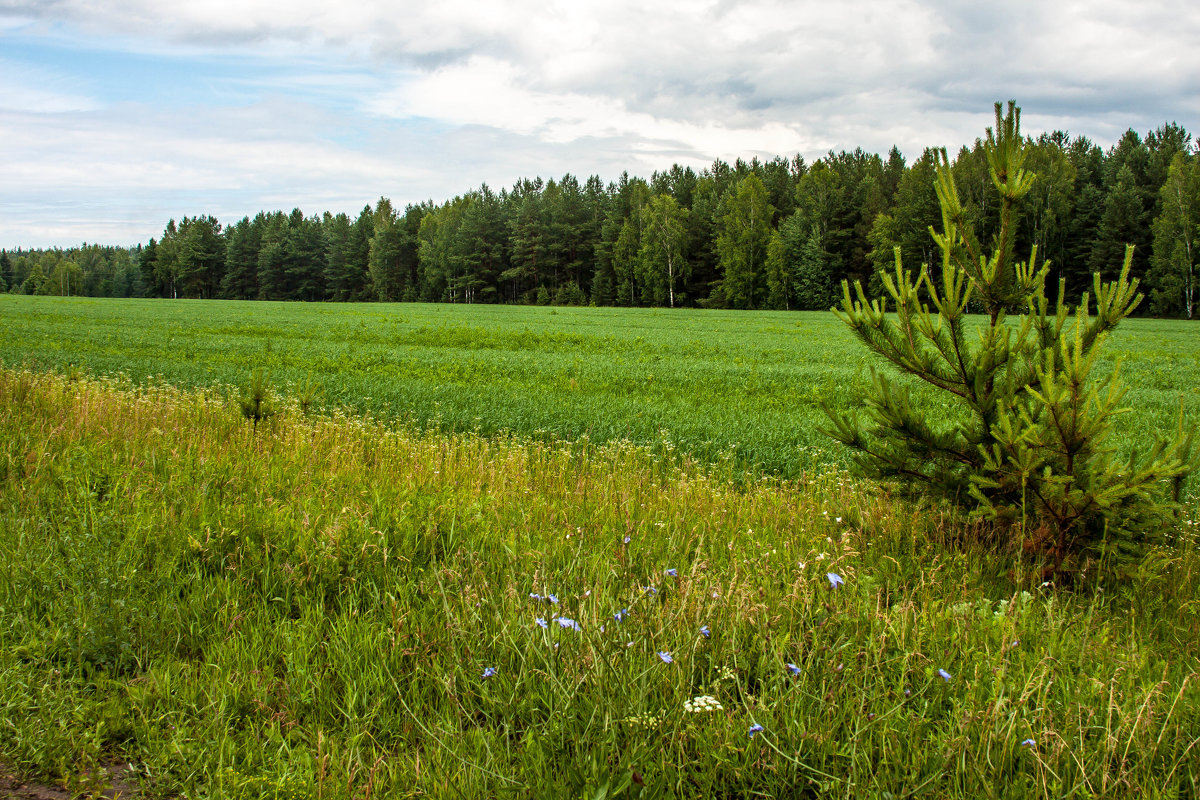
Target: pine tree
338 274
383 260
305 256
1084 222
148 265
241 260
201 257
1025 442
816 236
272 274
358 257
528 243
481 240
914 210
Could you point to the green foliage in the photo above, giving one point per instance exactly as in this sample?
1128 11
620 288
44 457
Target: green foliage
1176 259
1045 211
35 282
745 234
1123 222
800 272
202 256
1022 429
384 259
914 211
569 294
240 281
663 266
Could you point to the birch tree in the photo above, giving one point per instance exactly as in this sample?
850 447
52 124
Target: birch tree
1174 262
664 232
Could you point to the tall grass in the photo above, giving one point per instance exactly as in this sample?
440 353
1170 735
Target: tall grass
334 606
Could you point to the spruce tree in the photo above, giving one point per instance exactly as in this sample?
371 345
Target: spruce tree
1022 437
1122 222
240 281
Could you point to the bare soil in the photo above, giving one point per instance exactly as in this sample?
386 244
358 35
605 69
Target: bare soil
13 787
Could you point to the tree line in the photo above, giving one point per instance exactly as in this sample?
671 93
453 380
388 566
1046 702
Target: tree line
779 234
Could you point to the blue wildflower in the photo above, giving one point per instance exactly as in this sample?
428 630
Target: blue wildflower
626 540
620 615
650 590
835 580
553 598
489 672
665 656
535 596
705 632
792 668
674 573
1028 743
944 675
563 622
756 728
540 622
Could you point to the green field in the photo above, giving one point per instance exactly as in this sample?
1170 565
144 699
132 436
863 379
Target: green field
712 384
531 571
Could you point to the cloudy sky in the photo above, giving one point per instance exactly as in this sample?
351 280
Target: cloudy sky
116 115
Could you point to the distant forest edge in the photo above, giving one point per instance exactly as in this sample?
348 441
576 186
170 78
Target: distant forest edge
779 234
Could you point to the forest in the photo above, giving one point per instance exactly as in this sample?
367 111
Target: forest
777 234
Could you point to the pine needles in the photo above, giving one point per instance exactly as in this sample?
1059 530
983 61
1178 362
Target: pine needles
1029 450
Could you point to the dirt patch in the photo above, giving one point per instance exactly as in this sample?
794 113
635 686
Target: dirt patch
114 785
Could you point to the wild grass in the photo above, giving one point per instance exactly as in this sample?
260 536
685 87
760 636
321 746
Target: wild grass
334 605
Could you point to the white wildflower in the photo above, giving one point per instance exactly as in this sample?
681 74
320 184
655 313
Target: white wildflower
702 704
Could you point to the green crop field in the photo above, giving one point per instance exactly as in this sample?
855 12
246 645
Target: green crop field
712 384
568 553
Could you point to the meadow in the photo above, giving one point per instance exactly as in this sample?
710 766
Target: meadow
716 385
492 595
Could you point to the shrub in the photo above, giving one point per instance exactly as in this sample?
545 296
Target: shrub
1027 445
256 401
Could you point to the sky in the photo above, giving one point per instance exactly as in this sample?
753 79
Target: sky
117 115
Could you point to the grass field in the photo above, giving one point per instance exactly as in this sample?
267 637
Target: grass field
716 385
396 598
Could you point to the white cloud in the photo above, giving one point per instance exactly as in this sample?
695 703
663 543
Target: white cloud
483 91
329 105
228 164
